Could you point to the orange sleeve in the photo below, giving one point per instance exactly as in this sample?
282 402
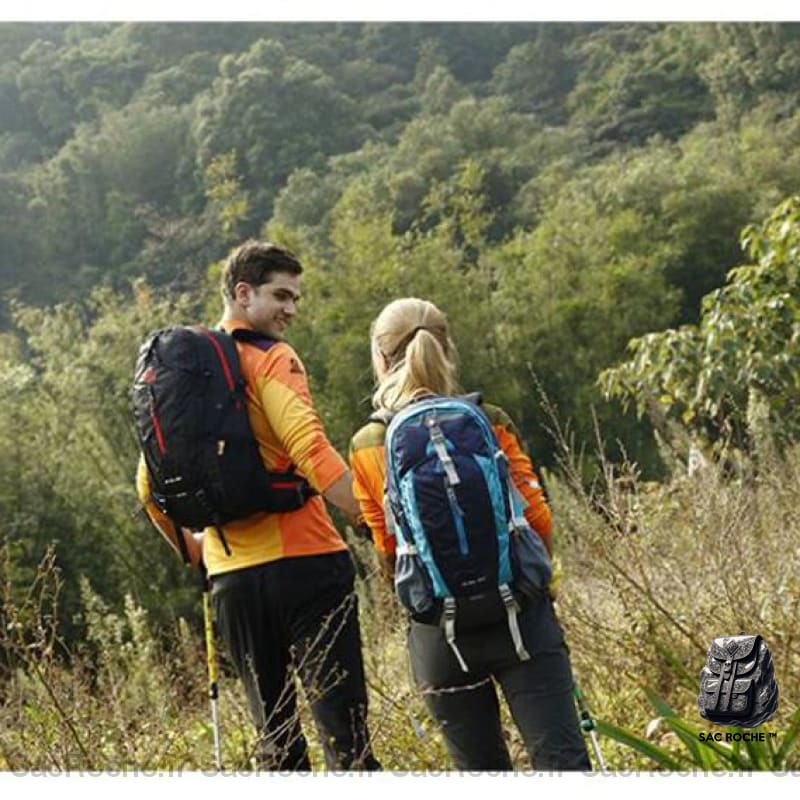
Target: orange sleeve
368 468
283 390
525 479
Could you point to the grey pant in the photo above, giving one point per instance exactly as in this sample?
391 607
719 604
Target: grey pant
538 692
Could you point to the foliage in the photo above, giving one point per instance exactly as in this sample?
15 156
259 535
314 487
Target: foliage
653 572
445 259
68 453
118 700
647 585
277 113
129 698
558 189
637 81
226 200
739 364
619 159
539 74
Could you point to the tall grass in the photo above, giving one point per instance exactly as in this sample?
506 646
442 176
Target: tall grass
120 700
654 572
651 574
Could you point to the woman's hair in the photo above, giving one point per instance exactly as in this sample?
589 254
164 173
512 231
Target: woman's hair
412 353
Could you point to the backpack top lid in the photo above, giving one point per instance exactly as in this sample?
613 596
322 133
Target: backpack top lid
385 416
733 647
409 435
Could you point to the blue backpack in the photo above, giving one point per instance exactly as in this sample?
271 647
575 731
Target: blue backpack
465 553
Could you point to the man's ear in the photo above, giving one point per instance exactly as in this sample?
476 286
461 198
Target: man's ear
242 292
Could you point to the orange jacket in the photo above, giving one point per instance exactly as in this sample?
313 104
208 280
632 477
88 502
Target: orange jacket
288 431
369 470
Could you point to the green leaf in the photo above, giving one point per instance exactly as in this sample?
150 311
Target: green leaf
758 753
725 752
790 737
690 737
657 754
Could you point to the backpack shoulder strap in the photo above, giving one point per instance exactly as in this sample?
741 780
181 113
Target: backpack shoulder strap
373 434
225 350
382 416
473 397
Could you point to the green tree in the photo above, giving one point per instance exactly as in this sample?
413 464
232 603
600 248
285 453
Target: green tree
570 293
277 112
738 367
18 242
441 92
747 63
636 81
86 199
445 258
68 453
538 75
43 94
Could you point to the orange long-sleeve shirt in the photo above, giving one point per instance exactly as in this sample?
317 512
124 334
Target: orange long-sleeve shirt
367 463
288 431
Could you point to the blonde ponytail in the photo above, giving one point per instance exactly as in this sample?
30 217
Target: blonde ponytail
412 354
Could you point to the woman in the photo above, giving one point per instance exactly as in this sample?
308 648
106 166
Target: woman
413 358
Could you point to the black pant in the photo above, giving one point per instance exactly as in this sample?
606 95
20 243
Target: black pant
538 692
300 612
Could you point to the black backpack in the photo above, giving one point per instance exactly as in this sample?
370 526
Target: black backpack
737 684
190 413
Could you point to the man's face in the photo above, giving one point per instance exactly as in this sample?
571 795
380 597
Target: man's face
270 307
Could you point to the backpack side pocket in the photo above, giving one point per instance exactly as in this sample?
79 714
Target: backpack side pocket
412 584
530 562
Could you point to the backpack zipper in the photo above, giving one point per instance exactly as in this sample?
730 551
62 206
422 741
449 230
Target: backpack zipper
458 518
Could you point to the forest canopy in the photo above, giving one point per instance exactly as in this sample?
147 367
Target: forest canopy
559 189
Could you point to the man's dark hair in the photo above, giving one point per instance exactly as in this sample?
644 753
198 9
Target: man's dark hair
255 262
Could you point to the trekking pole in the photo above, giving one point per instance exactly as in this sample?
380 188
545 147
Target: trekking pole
588 725
213 672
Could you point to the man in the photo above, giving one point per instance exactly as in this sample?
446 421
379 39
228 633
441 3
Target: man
283 593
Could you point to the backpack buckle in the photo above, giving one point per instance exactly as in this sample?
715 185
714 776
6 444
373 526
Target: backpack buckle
512 609
449 619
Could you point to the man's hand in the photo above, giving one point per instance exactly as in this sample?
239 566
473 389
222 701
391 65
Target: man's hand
192 540
194 546
340 493
363 531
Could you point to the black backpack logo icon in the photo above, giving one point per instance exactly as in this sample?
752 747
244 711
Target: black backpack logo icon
737 683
